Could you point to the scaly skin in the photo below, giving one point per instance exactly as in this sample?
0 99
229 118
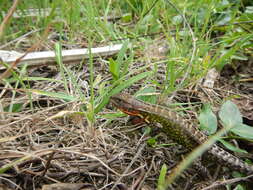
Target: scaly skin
178 129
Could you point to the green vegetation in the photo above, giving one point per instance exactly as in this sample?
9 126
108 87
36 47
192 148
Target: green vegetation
197 35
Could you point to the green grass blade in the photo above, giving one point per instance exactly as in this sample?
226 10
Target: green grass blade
120 86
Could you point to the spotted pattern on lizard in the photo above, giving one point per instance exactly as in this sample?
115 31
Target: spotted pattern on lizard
176 128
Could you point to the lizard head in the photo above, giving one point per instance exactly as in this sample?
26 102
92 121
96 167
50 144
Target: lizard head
126 103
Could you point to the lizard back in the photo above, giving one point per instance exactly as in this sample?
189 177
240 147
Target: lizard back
178 129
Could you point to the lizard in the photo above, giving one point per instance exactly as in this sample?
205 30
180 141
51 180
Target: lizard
175 127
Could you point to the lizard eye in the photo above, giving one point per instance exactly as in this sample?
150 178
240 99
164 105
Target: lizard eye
119 100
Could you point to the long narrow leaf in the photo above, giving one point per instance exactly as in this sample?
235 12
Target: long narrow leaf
119 88
59 95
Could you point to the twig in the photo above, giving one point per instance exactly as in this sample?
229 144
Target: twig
48 163
227 182
129 166
138 180
48 57
152 6
11 182
7 17
19 38
34 46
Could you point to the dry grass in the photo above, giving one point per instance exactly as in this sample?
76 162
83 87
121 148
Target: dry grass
50 140
66 149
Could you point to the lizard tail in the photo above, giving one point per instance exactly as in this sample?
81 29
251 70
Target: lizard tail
230 159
